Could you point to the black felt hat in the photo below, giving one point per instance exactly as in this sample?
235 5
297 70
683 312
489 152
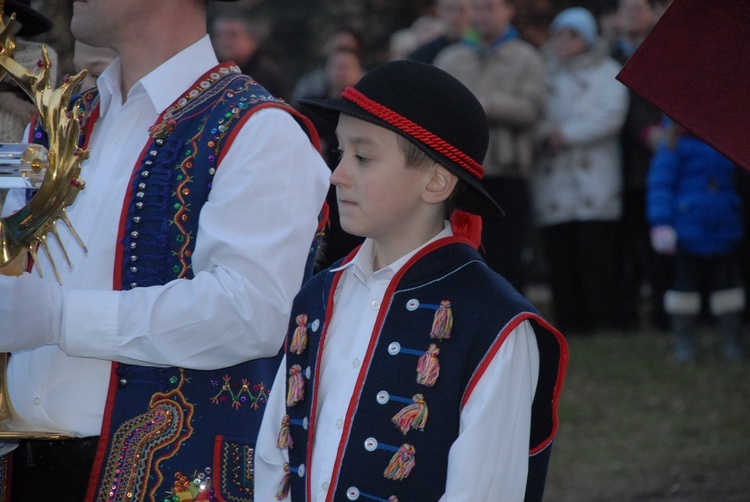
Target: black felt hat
32 22
431 109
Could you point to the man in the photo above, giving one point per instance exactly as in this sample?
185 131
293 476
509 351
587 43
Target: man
506 74
457 16
234 40
194 272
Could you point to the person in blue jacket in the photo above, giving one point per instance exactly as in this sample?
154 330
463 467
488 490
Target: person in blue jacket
695 214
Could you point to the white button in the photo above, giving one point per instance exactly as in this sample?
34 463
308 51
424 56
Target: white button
375 305
301 470
394 348
339 423
412 304
305 423
355 363
325 486
371 444
37 401
352 493
315 325
382 397
308 372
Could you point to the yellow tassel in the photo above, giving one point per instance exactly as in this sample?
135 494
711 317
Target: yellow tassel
284 484
401 464
299 339
443 321
296 391
428 367
284 439
413 416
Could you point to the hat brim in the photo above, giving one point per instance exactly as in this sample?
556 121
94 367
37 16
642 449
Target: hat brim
329 110
32 22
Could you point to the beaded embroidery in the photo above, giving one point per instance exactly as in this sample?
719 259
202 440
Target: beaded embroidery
237 471
241 396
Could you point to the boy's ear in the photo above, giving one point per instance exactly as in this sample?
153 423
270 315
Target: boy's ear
441 185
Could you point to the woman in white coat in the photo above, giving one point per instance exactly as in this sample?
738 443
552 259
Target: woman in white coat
578 181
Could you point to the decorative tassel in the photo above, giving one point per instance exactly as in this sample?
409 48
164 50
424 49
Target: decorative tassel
428 367
284 439
284 484
296 391
413 416
467 226
299 339
443 321
162 129
401 464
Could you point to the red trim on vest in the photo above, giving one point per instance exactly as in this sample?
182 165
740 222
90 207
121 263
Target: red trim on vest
415 131
216 466
101 448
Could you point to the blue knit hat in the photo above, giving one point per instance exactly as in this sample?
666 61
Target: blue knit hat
579 20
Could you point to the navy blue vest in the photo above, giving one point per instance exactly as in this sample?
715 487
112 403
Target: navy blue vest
404 417
174 433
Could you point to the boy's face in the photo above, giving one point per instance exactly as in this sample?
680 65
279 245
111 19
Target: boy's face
378 196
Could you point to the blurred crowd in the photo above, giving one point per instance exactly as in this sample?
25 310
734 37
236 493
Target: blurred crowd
571 154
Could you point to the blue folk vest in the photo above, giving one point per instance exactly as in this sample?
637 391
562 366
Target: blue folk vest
433 336
174 434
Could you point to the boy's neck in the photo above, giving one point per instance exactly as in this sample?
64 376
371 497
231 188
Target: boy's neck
388 251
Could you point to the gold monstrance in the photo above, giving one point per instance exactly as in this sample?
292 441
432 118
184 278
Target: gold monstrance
27 229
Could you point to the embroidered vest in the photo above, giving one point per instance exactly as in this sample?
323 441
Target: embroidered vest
430 341
174 434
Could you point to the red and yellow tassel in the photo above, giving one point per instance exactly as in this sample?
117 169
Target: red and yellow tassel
284 439
296 391
299 339
428 367
443 321
413 416
284 484
401 464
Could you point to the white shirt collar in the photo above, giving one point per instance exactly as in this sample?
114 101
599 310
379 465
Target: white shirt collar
165 83
365 258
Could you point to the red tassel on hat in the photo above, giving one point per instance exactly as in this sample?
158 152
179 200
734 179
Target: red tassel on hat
284 439
428 367
401 464
443 321
284 484
467 226
413 416
296 386
299 339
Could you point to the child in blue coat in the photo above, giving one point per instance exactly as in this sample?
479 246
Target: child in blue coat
696 215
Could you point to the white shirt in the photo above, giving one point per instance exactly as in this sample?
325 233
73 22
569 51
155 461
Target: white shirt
252 242
488 461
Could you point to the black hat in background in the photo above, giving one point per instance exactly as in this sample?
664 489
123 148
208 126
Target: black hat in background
32 22
431 109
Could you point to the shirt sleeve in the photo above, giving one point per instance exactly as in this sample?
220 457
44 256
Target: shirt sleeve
253 239
269 459
490 458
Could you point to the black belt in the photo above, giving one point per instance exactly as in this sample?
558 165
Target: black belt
59 454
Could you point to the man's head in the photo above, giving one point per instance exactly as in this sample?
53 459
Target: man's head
492 18
233 39
458 16
343 69
635 18
430 109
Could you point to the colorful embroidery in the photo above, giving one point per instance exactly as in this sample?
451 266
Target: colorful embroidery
196 488
284 484
413 416
428 367
237 476
401 463
242 394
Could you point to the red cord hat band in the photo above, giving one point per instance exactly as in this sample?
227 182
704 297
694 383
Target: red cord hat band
414 130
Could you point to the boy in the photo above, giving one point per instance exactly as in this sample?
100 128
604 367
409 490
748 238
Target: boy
412 371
